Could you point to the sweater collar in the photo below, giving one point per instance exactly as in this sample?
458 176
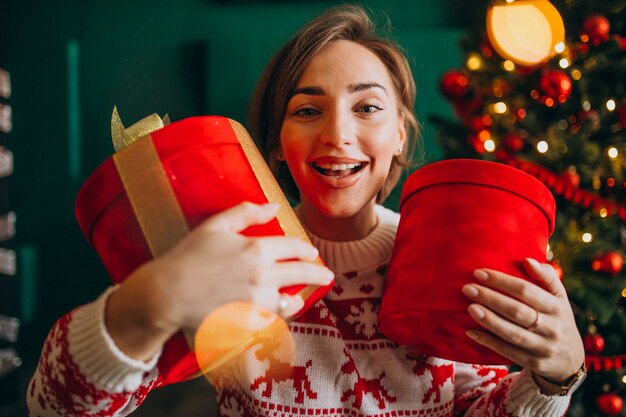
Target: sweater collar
371 251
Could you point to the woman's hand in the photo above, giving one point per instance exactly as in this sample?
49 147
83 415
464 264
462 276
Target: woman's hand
532 325
211 266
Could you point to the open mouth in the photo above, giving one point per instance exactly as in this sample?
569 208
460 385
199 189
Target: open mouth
337 170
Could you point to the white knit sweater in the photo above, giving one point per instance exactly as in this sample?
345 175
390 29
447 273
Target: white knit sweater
341 365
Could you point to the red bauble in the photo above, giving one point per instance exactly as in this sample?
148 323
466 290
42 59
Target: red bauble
479 123
454 84
610 404
597 27
594 343
609 262
555 84
513 142
477 144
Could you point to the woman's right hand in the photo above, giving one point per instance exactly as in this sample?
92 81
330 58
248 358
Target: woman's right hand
211 266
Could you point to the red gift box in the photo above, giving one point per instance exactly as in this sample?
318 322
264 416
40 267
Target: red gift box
143 199
456 216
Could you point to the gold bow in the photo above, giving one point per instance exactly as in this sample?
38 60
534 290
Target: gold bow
124 136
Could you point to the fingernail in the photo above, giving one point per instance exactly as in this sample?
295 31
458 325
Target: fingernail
295 304
481 275
472 334
470 291
476 312
330 275
272 206
534 263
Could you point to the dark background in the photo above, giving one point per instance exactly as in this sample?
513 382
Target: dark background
72 61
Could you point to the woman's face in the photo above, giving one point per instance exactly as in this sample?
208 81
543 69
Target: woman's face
341 130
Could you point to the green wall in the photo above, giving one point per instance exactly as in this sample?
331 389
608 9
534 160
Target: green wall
72 61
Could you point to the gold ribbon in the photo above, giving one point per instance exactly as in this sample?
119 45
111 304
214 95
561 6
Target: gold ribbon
123 136
148 189
286 217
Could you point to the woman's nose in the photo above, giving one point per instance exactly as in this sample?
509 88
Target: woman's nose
337 130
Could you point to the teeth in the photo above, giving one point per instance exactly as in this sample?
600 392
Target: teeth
338 167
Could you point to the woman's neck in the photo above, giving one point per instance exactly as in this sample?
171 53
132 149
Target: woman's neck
339 229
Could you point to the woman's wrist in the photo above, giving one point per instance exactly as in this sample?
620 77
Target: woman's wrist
134 317
560 387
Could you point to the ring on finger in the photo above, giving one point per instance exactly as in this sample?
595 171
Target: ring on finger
282 304
535 323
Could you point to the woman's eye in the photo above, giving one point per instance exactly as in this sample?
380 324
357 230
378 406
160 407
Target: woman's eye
306 111
369 108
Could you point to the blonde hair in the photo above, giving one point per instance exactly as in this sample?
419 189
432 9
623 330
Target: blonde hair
270 98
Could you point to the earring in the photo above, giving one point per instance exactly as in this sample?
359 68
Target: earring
280 156
399 150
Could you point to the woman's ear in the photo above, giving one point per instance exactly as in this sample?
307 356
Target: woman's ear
401 134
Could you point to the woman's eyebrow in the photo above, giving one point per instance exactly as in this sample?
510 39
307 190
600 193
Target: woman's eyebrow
310 91
353 88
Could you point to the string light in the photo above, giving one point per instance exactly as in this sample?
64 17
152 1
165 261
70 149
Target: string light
490 145
624 293
576 74
587 237
500 107
586 105
526 32
610 105
613 152
474 62
508 65
542 146
603 212
559 47
564 63
624 379
596 183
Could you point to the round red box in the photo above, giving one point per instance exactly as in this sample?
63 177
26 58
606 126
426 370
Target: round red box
208 171
458 215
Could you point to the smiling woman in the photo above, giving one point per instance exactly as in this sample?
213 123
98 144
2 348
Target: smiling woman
333 115
340 116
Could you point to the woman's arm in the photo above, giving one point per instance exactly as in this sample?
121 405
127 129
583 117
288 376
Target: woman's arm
100 358
534 327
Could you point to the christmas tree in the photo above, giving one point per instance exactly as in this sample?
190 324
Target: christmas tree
562 120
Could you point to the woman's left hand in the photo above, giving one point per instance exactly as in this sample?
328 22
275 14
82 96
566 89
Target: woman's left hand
532 325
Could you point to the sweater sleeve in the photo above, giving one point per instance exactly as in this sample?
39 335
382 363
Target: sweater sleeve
82 373
490 391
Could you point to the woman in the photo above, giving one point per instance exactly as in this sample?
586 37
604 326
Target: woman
333 115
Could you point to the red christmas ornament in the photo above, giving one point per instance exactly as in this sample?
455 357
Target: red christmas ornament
513 142
594 343
477 143
609 262
520 114
610 404
555 85
479 123
597 27
454 84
